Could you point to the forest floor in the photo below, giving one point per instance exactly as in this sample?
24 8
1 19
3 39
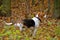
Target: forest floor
49 30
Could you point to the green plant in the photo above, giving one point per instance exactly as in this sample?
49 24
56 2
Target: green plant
57 30
27 38
49 23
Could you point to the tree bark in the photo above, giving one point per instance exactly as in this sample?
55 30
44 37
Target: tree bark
48 6
6 7
27 8
56 9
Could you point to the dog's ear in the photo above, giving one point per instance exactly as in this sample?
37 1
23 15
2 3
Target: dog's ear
36 15
41 15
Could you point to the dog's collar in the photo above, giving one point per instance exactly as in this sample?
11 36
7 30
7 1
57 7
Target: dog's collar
38 18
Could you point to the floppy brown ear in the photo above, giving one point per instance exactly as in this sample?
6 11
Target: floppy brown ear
41 16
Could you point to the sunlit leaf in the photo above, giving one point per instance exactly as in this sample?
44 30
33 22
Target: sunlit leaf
26 38
48 37
18 37
1 34
49 23
7 33
14 33
18 31
1 7
32 15
53 38
57 30
3 31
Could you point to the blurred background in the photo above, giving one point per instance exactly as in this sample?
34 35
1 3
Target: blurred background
17 10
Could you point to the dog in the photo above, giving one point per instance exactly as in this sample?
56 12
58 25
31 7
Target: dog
33 22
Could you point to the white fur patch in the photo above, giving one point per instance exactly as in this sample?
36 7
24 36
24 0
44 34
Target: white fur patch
36 15
20 25
45 16
37 21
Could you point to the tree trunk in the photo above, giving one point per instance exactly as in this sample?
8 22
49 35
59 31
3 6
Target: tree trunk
48 6
6 7
27 8
56 9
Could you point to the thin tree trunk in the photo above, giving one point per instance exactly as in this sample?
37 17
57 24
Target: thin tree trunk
48 6
33 2
6 7
43 5
39 3
56 9
27 8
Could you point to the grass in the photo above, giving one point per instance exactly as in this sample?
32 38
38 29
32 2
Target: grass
57 30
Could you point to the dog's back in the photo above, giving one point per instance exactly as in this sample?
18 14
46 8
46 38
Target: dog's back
28 22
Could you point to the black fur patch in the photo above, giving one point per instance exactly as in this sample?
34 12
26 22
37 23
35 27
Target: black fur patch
29 22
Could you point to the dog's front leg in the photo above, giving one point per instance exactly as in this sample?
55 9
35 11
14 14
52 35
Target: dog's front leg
21 27
34 31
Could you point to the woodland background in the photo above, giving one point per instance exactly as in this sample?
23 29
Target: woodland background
17 10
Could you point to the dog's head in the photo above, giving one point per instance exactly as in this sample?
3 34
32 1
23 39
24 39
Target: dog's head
41 15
